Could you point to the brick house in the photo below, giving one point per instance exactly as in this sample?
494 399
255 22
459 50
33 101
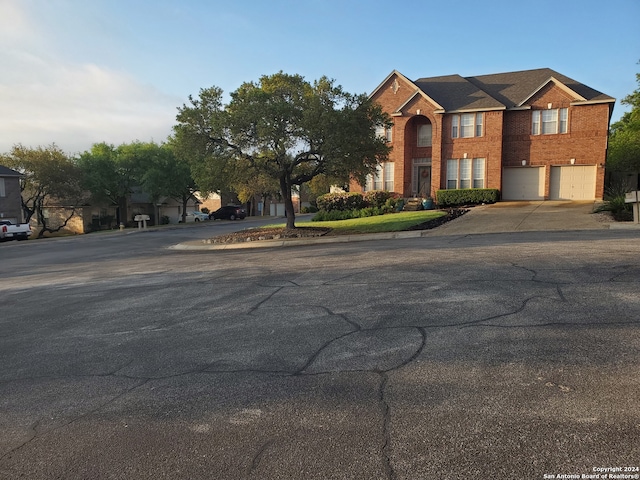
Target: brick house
10 197
533 134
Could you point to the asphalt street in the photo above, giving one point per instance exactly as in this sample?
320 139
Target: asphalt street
495 355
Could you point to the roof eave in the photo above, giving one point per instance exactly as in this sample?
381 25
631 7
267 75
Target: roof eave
593 102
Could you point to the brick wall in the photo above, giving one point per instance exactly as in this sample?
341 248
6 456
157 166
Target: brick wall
585 140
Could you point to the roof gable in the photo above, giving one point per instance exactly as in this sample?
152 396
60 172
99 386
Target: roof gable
398 75
416 91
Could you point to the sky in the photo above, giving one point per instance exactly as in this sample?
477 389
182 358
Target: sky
79 72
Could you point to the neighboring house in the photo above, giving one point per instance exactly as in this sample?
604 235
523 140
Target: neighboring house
166 209
533 134
88 218
10 197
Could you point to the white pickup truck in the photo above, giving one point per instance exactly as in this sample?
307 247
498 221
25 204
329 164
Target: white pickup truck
11 231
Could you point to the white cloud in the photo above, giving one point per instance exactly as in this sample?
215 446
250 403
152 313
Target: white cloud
47 98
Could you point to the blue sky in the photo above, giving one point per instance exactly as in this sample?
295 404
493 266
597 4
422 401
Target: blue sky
77 72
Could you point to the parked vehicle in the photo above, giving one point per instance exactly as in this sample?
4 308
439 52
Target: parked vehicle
229 212
195 217
11 231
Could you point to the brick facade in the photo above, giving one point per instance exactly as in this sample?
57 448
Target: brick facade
507 139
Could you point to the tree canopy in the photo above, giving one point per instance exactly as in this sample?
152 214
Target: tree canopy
624 141
110 173
284 128
50 178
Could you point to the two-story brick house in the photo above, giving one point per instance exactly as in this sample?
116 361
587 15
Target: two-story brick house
10 198
533 134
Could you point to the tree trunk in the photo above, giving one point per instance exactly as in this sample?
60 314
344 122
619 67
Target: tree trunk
185 199
123 210
285 189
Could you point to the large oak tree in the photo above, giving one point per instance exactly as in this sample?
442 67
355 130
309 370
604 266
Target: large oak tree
286 128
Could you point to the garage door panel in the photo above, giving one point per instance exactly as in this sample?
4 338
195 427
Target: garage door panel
523 183
572 182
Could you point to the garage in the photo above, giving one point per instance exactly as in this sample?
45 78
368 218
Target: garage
523 183
573 182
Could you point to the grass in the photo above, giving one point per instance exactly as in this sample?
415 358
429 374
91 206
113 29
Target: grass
394 222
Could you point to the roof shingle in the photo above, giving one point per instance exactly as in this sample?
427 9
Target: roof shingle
499 90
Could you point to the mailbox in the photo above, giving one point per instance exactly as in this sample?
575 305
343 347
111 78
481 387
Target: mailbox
142 220
634 197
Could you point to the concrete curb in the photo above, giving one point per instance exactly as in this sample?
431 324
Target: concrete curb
292 242
624 226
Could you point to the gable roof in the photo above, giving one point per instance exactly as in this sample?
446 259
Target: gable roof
515 88
498 91
7 172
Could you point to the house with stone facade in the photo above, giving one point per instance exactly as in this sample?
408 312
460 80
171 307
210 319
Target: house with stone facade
10 198
534 135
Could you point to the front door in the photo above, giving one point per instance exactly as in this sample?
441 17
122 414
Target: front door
424 181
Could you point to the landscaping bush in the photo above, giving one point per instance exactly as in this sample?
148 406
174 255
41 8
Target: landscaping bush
309 209
376 198
343 206
614 196
327 216
340 201
467 196
324 216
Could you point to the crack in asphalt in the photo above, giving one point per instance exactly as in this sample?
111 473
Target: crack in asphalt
255 462
264 300
385 410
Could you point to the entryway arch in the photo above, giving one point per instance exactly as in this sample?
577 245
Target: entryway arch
418 144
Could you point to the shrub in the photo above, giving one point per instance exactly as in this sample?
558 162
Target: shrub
467 196
340 201
614 196
309 209
376 198
327 216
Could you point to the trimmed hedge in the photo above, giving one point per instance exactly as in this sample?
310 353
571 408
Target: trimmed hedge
355 201
324 216
340 201
467 196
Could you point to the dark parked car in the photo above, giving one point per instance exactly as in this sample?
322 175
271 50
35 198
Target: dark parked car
228 212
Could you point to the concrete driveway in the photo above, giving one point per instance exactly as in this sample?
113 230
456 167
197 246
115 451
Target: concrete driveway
526 216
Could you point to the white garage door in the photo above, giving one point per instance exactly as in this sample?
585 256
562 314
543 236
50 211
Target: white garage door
523 183
574 182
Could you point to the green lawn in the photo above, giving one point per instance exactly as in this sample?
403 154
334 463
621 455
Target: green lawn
393 222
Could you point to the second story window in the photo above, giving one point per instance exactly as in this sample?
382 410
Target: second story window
385 133
551 121
467 125
424 135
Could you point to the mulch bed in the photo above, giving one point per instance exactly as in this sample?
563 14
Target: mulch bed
257 234
452 213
